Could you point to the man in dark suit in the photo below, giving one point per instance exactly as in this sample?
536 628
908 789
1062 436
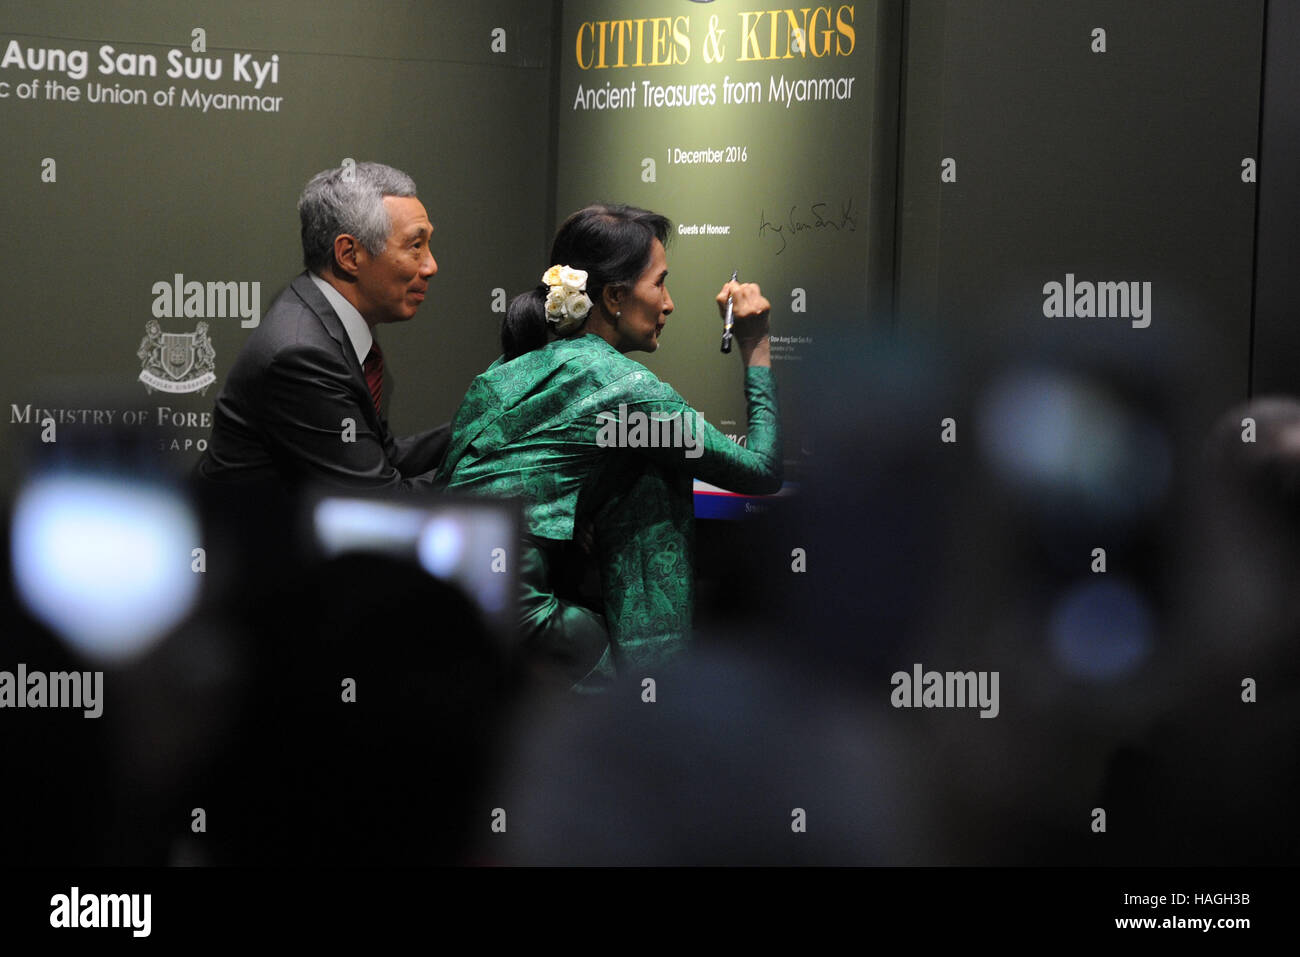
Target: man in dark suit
304 401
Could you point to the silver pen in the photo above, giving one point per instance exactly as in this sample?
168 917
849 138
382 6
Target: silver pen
726 321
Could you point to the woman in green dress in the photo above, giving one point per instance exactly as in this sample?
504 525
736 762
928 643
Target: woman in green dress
589 439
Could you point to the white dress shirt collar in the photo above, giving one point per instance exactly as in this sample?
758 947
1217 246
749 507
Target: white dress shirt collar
358 329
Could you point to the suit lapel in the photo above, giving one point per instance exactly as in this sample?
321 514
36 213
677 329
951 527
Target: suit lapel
318 304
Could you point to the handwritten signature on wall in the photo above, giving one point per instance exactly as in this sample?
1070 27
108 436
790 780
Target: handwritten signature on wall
819 218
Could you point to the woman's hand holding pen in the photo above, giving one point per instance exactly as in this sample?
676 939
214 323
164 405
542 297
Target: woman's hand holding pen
749 309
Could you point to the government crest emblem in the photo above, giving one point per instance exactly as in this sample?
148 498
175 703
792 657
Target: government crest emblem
176 361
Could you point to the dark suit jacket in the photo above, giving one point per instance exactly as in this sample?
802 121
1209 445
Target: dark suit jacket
282 411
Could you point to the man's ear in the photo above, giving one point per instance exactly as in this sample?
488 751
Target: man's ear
346 255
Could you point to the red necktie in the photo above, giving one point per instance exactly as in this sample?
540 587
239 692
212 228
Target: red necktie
374 370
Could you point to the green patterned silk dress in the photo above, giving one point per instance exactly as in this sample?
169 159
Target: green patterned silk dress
557 429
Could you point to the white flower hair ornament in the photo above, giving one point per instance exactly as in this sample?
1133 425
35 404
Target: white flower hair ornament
567 303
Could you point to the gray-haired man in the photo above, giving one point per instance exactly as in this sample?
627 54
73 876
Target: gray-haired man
304 400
